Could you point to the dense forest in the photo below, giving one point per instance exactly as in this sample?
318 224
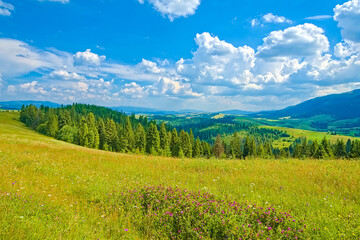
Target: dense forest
106 129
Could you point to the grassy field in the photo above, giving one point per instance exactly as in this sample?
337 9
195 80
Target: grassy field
54 190
299 133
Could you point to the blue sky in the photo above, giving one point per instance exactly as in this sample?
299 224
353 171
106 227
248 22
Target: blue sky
179 54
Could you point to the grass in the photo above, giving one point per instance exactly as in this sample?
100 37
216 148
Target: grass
54 190
299 133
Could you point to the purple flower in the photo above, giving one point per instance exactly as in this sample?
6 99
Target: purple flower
126 229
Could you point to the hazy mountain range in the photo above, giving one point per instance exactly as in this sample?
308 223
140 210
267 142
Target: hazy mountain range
339 106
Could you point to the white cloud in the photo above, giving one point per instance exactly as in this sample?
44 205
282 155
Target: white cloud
150 66
133 90
174 8
33 87
299 41
319 17
64 75
5 8
170 87
255 22
18 58
346 49
60 1
348 17
88 58
82 87
216 62
271 18
1 81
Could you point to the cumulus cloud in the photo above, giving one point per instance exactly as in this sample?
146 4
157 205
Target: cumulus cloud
133 90
150 66
170 87
299 41
5 8
269 18
88 58
217 62
64 75
33 87
348 17
174 8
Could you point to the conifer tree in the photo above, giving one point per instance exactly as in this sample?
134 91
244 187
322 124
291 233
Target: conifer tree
218 147
164 140
185 143
111 135
140 138
197 148
348 147
175 143
83 133
320 152
129 135
327 147
206 149
153 140
102 134
247 147
339 149
235 146
52 124
64 119
93 134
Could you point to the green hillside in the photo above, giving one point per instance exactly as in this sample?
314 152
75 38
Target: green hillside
51 189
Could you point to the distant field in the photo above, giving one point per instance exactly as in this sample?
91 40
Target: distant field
299 133
54 190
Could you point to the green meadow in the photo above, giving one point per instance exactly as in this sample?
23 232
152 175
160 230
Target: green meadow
50 189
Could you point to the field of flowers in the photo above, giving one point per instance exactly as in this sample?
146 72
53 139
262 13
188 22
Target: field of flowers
53 190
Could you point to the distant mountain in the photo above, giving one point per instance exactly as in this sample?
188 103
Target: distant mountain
16 105
138 110
339 106
236 112
152 111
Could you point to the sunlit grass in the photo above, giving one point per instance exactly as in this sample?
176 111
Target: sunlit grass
55 190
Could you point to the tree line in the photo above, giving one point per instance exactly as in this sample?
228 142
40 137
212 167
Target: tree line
102 128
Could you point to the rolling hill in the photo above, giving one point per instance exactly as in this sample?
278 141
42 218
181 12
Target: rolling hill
50 189
338 106
16 105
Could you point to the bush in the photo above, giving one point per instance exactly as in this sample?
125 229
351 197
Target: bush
180 214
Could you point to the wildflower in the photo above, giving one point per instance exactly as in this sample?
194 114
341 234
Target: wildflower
126 229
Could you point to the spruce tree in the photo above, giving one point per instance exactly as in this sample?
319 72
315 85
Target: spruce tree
164 140
153 140
111 135
140 138
197 148
64 119
52 124
218 147
175 143
129 135
235 146
339 149
102 134
83 133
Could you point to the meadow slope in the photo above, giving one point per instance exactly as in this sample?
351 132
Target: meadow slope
54 190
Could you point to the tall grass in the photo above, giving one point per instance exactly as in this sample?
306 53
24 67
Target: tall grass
54 190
